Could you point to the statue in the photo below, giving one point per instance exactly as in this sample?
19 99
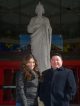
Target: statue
41 33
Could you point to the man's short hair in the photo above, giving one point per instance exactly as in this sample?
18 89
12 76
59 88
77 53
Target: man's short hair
56 54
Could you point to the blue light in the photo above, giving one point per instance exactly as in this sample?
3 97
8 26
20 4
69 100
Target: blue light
57 40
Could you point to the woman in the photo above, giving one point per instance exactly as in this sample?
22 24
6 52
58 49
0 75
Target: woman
27 82
41 33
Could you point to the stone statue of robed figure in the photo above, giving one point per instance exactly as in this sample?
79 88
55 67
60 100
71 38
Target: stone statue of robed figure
41 33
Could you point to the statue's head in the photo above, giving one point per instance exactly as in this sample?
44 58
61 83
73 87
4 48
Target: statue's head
39 9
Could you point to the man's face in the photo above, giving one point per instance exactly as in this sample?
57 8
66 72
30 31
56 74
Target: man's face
56 62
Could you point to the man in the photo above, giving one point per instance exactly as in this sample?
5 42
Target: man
58 86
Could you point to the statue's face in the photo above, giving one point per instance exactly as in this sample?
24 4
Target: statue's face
39 9
40 12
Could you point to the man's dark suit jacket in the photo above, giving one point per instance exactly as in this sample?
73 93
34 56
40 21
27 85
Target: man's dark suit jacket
57 87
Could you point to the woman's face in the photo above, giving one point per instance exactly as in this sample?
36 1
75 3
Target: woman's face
31 63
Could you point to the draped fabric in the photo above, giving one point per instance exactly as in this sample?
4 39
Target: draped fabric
41 40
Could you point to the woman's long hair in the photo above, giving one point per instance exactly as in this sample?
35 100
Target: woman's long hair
27 71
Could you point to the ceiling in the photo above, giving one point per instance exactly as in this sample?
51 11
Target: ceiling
64 16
